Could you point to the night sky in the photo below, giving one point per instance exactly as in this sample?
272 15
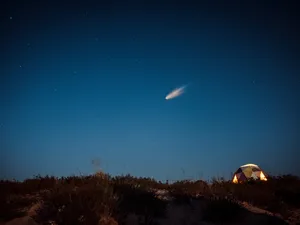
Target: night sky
86 80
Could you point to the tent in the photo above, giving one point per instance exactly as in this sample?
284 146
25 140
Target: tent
247 172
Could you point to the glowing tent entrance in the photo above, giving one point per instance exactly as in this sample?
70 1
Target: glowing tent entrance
247 172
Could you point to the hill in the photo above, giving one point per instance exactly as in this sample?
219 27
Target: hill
103 199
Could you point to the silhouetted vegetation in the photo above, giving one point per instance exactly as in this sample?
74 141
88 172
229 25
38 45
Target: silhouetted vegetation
101 197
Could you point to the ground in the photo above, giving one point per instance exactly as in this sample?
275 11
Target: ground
102 199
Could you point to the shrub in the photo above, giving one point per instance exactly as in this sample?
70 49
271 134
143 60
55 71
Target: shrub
86 204
222 211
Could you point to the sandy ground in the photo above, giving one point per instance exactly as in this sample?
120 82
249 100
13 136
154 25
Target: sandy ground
188 213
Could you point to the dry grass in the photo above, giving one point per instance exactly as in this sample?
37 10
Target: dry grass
102 199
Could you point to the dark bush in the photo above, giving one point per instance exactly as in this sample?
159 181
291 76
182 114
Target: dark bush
222 211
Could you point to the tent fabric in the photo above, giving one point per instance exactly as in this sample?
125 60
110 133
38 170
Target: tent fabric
247 172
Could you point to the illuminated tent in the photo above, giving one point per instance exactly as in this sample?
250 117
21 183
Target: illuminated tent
247 172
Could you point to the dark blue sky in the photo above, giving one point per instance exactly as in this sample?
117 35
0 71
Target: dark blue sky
87 80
